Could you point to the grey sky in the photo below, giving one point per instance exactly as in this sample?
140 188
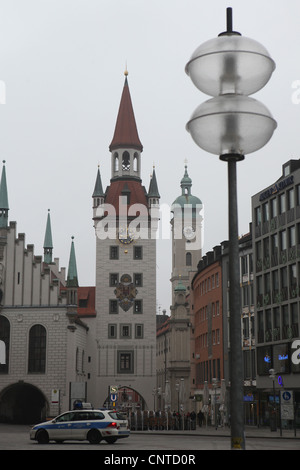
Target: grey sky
62 62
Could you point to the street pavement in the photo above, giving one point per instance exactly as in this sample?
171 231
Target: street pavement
162 442
250 431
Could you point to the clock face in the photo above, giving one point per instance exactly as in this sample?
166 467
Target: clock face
189 232
126 235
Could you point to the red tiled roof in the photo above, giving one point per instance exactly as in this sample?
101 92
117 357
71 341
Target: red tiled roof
126 134
137 194
87 294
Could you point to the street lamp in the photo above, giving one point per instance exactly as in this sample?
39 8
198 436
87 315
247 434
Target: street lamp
231 125
177 390
273 424
215 386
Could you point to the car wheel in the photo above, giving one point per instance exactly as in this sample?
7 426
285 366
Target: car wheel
110 440
94 436
42 437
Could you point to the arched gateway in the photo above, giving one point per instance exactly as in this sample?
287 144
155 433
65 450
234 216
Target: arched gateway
22 403
127 399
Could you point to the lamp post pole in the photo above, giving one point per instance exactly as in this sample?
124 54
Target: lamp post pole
231 124
236 353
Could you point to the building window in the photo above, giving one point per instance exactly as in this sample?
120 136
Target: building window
4 344
113 279
291 198
139 331
188 259
138 306
276 324
137 252
113 306
265 212
112 331
273 204
114 252
282 203
138 279
125 331
125 362
292 236
283 240
294 320
257 216
37 350
298 195
116 157
126 161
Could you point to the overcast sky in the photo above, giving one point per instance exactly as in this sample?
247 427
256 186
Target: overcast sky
62 63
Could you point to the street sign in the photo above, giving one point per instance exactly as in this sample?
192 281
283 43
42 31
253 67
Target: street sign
287 404
113 389
113 397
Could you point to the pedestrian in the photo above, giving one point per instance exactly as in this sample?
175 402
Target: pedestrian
200 418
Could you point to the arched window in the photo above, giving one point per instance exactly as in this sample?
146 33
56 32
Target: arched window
188 259
4 344
135 161
126 161
37 349
116 161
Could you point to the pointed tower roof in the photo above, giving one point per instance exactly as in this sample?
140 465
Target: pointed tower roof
48 244
153 187
126 134
3 190
48 234
72 279
98 191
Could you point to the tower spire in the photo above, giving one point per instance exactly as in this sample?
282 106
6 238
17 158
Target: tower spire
48 244
3 199
98 190
126 134
72 279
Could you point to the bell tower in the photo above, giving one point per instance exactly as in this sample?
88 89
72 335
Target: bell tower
186 226
125 328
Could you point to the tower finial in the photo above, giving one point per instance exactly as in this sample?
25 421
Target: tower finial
126 71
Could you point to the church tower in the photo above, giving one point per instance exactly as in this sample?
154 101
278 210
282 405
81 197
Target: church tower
125 330
187 240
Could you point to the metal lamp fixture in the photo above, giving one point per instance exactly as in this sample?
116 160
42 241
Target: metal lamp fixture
231 125
231 67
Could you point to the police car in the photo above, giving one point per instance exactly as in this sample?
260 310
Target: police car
81 425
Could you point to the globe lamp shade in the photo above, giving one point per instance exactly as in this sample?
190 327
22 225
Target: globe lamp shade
230 64
231 124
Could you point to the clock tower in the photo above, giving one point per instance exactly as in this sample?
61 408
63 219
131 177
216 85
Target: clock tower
187 240
125 220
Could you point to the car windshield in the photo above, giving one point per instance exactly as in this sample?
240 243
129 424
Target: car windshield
116 415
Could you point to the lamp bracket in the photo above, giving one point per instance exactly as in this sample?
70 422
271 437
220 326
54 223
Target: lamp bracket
229 31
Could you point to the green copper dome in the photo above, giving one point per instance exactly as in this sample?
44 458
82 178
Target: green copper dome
186 198
180 287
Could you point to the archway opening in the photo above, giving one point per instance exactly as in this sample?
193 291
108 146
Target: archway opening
128 400
22 403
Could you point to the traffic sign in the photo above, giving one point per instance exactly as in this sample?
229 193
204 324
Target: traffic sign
113 397
113 389
287 405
